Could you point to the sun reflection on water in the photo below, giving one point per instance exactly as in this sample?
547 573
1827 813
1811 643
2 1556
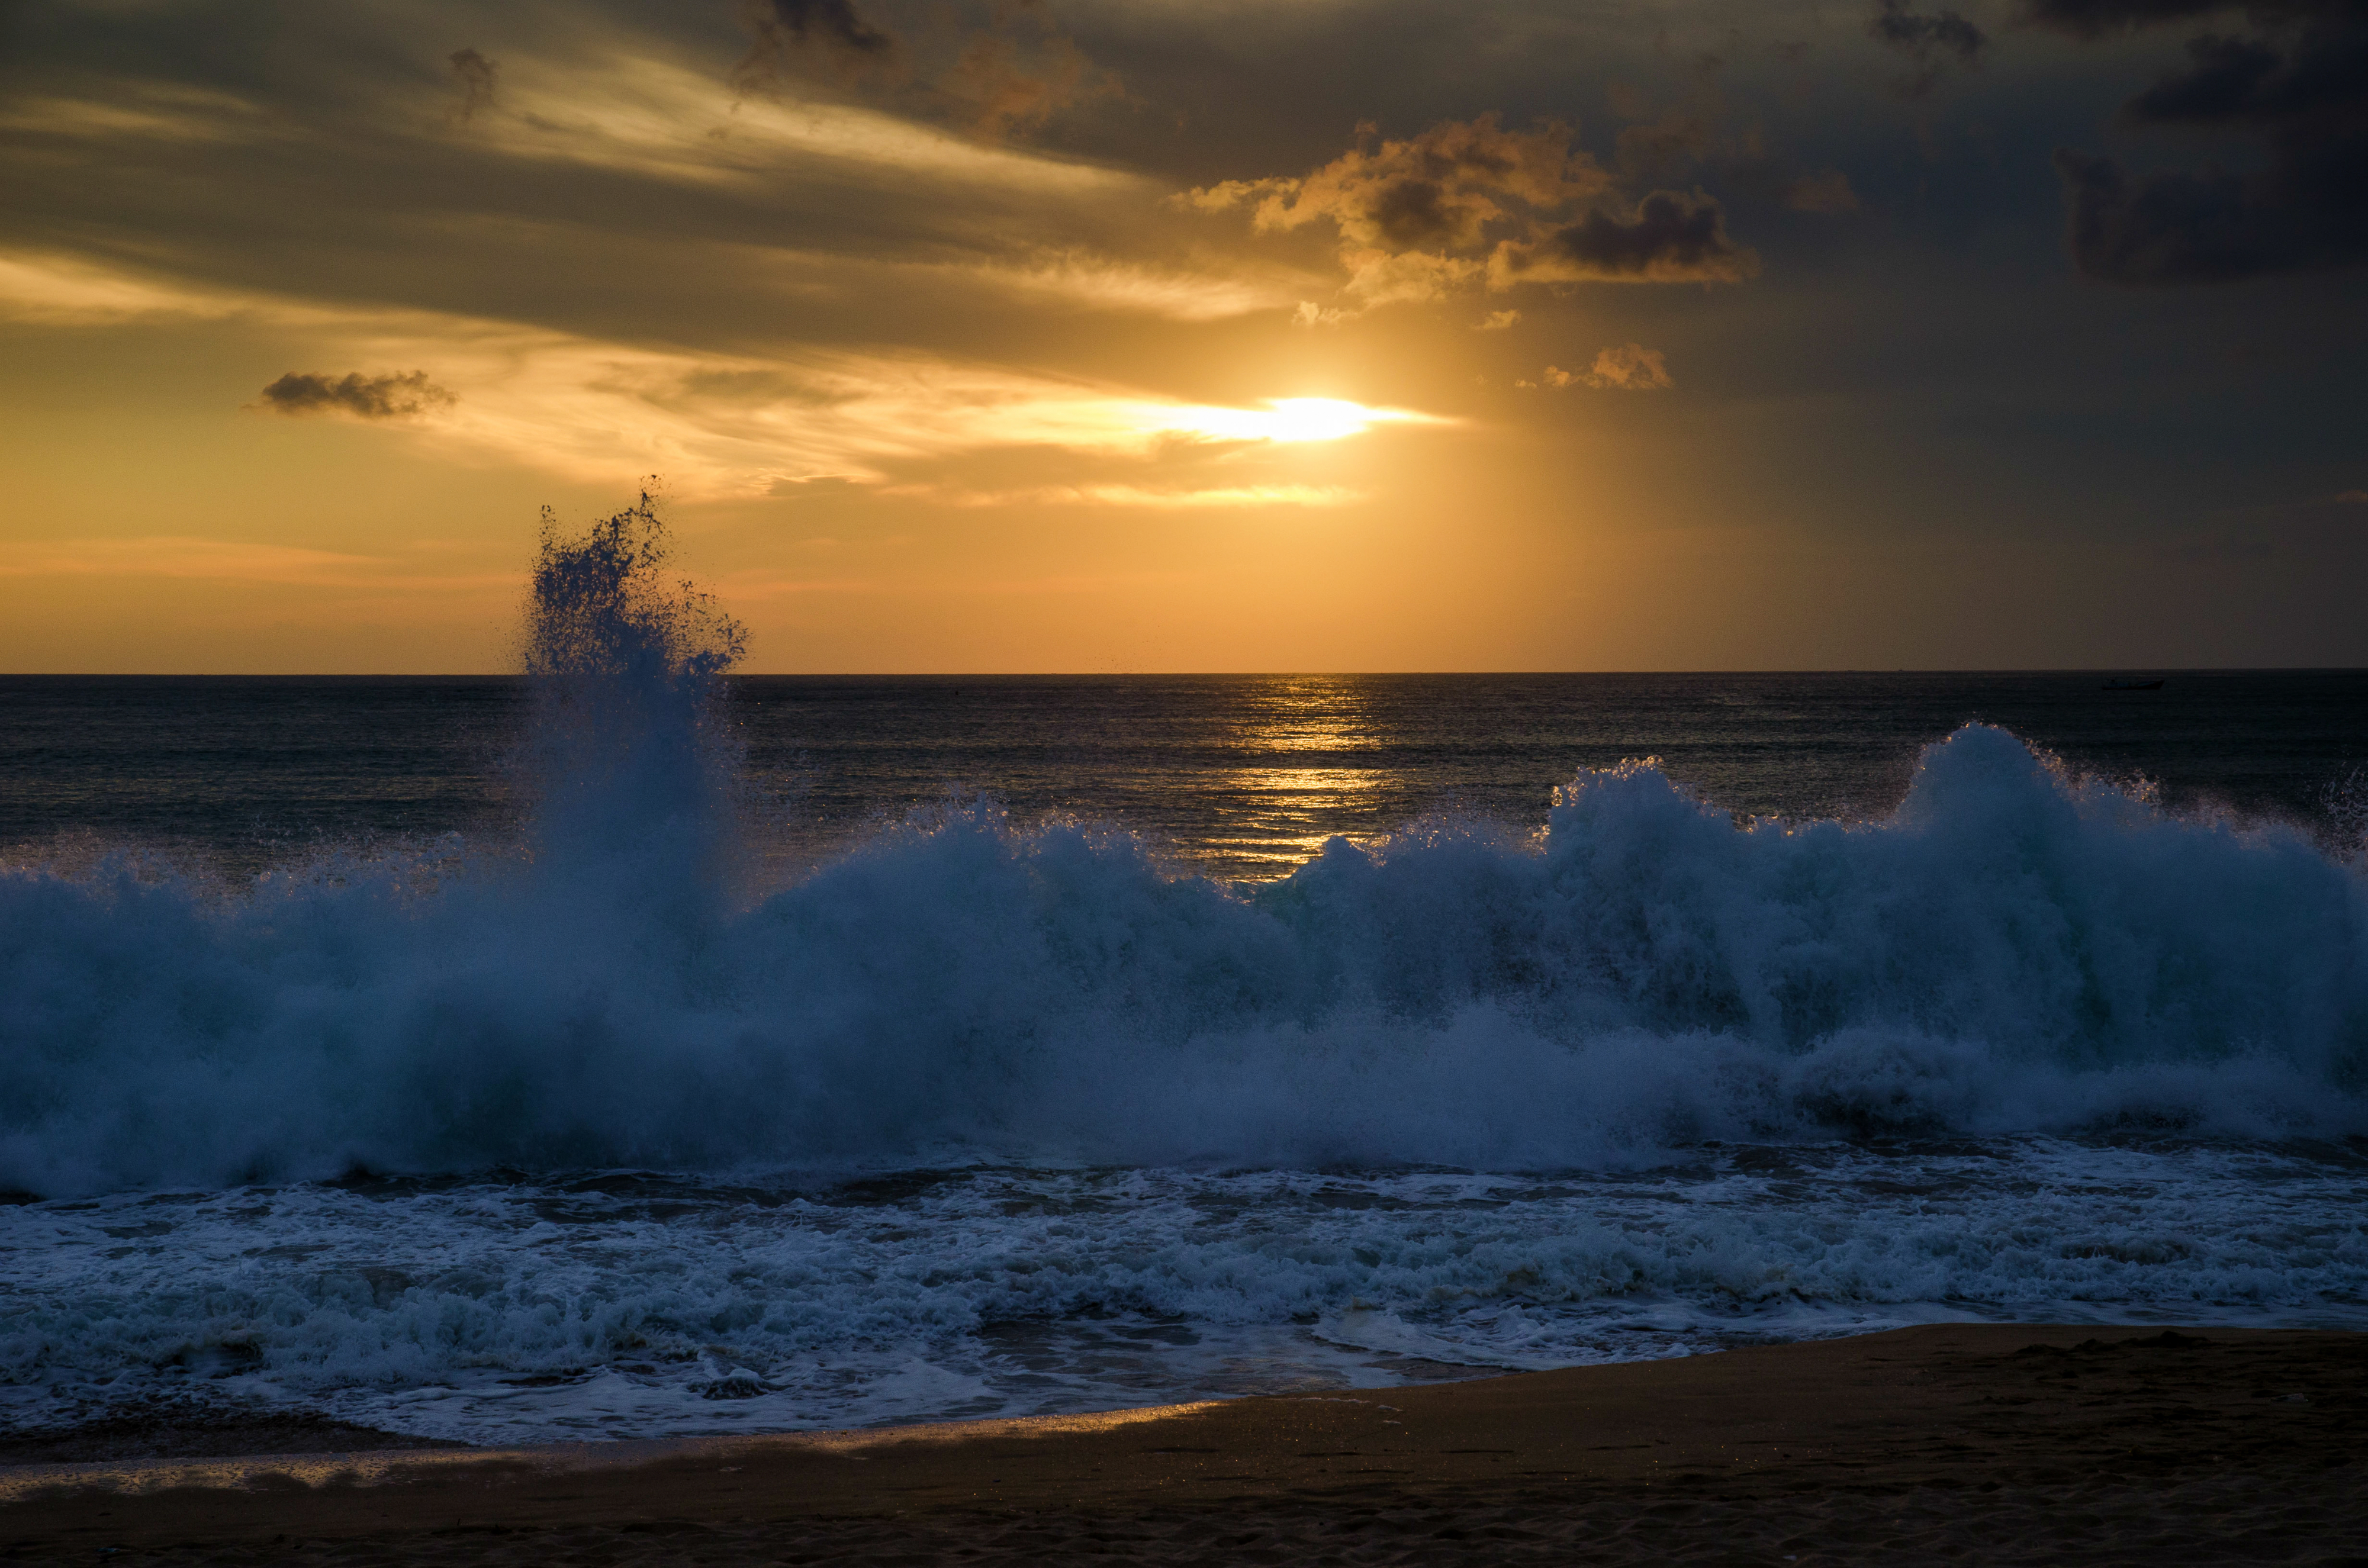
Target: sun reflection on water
1281 810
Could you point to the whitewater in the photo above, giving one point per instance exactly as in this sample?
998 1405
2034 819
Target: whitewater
596 1129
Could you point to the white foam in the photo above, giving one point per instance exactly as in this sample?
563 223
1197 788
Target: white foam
646 1306
2013 954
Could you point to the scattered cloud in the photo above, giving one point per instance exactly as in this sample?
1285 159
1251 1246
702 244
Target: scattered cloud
1631 368
1670 237
476 77
2300 85
1471 202
177 555
1437 191
1930 43
363 397
1497 321
1310 314
2353 497
1402 210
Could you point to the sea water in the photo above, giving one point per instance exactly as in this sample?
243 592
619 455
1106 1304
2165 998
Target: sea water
628 1050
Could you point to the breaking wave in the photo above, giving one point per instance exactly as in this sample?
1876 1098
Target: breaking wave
2012 949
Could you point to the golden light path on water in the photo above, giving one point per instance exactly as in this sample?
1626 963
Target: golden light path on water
1301 783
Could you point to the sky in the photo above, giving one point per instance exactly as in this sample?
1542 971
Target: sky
1111 335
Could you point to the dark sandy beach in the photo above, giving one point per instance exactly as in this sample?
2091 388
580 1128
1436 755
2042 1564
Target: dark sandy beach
1987 1444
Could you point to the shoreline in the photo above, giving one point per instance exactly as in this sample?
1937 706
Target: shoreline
1951 1423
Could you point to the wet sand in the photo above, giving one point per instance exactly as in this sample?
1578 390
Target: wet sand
1973 1444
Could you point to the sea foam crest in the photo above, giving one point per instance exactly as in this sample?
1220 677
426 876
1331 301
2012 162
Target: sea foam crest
2011 949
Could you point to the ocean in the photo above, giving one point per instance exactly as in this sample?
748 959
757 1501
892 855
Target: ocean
633 1050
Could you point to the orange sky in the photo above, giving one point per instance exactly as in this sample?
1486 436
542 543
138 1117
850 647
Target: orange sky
1356 337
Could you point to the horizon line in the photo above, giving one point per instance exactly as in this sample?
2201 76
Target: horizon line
2150 670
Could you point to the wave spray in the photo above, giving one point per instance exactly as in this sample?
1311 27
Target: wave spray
2010 950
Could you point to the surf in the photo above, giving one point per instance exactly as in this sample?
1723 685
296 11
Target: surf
2013 949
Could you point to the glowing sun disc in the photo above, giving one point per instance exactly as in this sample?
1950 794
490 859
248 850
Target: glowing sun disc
1291 419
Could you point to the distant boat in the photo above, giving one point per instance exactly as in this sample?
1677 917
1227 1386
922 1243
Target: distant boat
2155 685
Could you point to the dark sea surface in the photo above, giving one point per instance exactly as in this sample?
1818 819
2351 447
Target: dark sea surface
1237 776
824 1051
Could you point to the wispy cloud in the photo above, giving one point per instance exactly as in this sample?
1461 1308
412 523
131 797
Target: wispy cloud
1136 496
1087 281
64 291
661 121
180 555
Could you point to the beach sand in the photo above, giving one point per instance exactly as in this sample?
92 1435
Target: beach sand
1951 1443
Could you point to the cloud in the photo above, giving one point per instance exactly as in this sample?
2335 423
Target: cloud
2353 497
1012 74
1437 191
1497 321
746 424
67 291
1009 86
1091 282
784 27
2302 89
1930 43
183 556
1633 368
1669 238
1402 210
665 123
477 78
2096 18
364 397
1411 215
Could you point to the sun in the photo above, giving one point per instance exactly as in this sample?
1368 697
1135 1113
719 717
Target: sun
1290 419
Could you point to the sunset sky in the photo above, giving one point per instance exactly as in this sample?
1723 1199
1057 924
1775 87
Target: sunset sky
1091 335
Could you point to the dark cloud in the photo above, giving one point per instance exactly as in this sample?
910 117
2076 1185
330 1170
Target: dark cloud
2304 91
1930 43
811 39
2096 18
832 24
1011 71
364 397
1005 82
476 77
1404 209
1672 238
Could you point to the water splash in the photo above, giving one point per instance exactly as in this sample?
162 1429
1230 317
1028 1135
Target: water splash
2012 951
626 751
